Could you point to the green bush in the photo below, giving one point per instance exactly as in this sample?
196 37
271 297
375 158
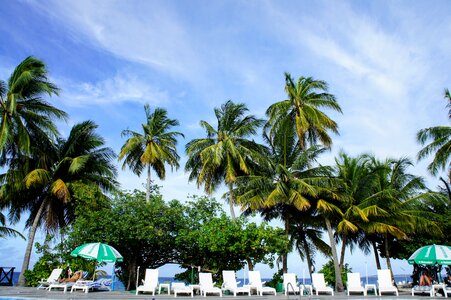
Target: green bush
329 273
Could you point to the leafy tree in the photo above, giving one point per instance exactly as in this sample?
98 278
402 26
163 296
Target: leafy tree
440 145
144 232
155 147
47 192
226 152
303 107
329 273
219 244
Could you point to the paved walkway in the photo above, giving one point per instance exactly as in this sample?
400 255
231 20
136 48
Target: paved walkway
28 292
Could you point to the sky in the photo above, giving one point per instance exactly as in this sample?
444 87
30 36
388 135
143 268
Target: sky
387 63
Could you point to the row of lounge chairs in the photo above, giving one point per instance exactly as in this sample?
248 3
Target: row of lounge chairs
206 285
52 283
354 284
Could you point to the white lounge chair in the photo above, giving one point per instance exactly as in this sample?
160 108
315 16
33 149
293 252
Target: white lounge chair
319 284
424 289
91 285
61 285
255 282
150 282
181 288
230 284
206 285
354 284
290 285
385 282
53 278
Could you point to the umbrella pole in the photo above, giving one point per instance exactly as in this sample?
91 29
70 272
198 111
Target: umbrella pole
113 274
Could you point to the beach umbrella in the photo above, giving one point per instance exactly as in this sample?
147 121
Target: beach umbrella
431 255
100 253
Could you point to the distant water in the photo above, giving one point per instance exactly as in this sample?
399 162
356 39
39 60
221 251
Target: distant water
119 286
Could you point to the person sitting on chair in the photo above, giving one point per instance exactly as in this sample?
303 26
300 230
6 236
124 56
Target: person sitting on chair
75 276
425 279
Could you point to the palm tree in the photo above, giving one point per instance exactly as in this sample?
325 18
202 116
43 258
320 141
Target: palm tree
47 192
23 112
7 231
226 152
303 107
306 231
354 182
394 214
440 137
155 147
281 187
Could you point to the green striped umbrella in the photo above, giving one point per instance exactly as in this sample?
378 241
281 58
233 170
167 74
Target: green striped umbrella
431 255
97 251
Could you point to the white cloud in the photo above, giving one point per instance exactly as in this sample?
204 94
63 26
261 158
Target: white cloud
123 87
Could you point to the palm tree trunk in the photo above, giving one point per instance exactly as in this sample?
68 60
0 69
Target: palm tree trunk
27 256
231 201
387 257
376 255
307 256
148 184
343 250
338 281
285 255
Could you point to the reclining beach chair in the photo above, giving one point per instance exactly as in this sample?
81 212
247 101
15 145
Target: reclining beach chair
230 284
255 282
385 282
97 285
68 284
206 285
53 278
290 285
181 288
319 284
150 282
354 284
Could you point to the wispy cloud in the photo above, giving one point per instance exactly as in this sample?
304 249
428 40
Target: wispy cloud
123 87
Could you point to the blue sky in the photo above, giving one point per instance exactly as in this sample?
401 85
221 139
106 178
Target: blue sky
387 62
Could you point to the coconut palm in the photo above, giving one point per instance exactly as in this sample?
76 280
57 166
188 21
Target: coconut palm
227 151
440 143
47 192
394 214
281 187
153 148
23 111
303 107
354 182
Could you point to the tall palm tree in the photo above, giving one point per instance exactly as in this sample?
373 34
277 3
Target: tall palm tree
440 145
23 111
354 182
46 192
227 151
281 187
303 107
153 148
